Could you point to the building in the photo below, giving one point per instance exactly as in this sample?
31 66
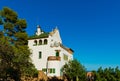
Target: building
90 76
48 52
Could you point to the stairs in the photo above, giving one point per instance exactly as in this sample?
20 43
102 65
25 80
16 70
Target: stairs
42 76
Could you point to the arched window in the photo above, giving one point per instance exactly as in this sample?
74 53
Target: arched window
45 41
35 42
40 42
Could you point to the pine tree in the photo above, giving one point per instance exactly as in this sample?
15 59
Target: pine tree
15 54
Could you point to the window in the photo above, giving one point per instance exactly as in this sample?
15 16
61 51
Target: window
40 54
44 69
51 39
51 70
57 53
40 42
35 42
45 41
61 72
65 57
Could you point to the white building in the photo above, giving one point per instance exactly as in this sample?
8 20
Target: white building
48 52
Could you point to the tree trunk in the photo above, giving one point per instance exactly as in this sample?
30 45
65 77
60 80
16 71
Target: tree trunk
77 78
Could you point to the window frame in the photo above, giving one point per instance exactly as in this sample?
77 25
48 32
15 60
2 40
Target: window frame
44 69
65 57
35 43
40 42
40 54
45 41
57 54
53 70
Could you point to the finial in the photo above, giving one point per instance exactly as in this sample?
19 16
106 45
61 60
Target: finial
56 27
38 26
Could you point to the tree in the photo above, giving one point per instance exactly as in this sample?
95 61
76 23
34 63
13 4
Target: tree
117 73
6 53
74 71
14 52
107 74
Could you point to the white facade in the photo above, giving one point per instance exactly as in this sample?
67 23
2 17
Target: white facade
48 53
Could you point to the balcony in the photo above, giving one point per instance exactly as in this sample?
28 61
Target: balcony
52 58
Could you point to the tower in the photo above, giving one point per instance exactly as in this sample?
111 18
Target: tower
39 31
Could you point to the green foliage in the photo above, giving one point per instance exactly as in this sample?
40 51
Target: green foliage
6 55
107 74
21 23
43 35
15 59
11 23
74 70
9 15
1 21
22 38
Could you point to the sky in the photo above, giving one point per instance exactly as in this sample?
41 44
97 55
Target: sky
90 27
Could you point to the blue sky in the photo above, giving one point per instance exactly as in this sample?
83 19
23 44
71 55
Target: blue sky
90 27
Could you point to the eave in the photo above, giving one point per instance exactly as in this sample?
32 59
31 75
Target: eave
67 49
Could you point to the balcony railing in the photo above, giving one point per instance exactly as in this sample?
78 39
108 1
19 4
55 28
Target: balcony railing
51 58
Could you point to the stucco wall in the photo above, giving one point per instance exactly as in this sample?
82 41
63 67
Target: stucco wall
49 50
